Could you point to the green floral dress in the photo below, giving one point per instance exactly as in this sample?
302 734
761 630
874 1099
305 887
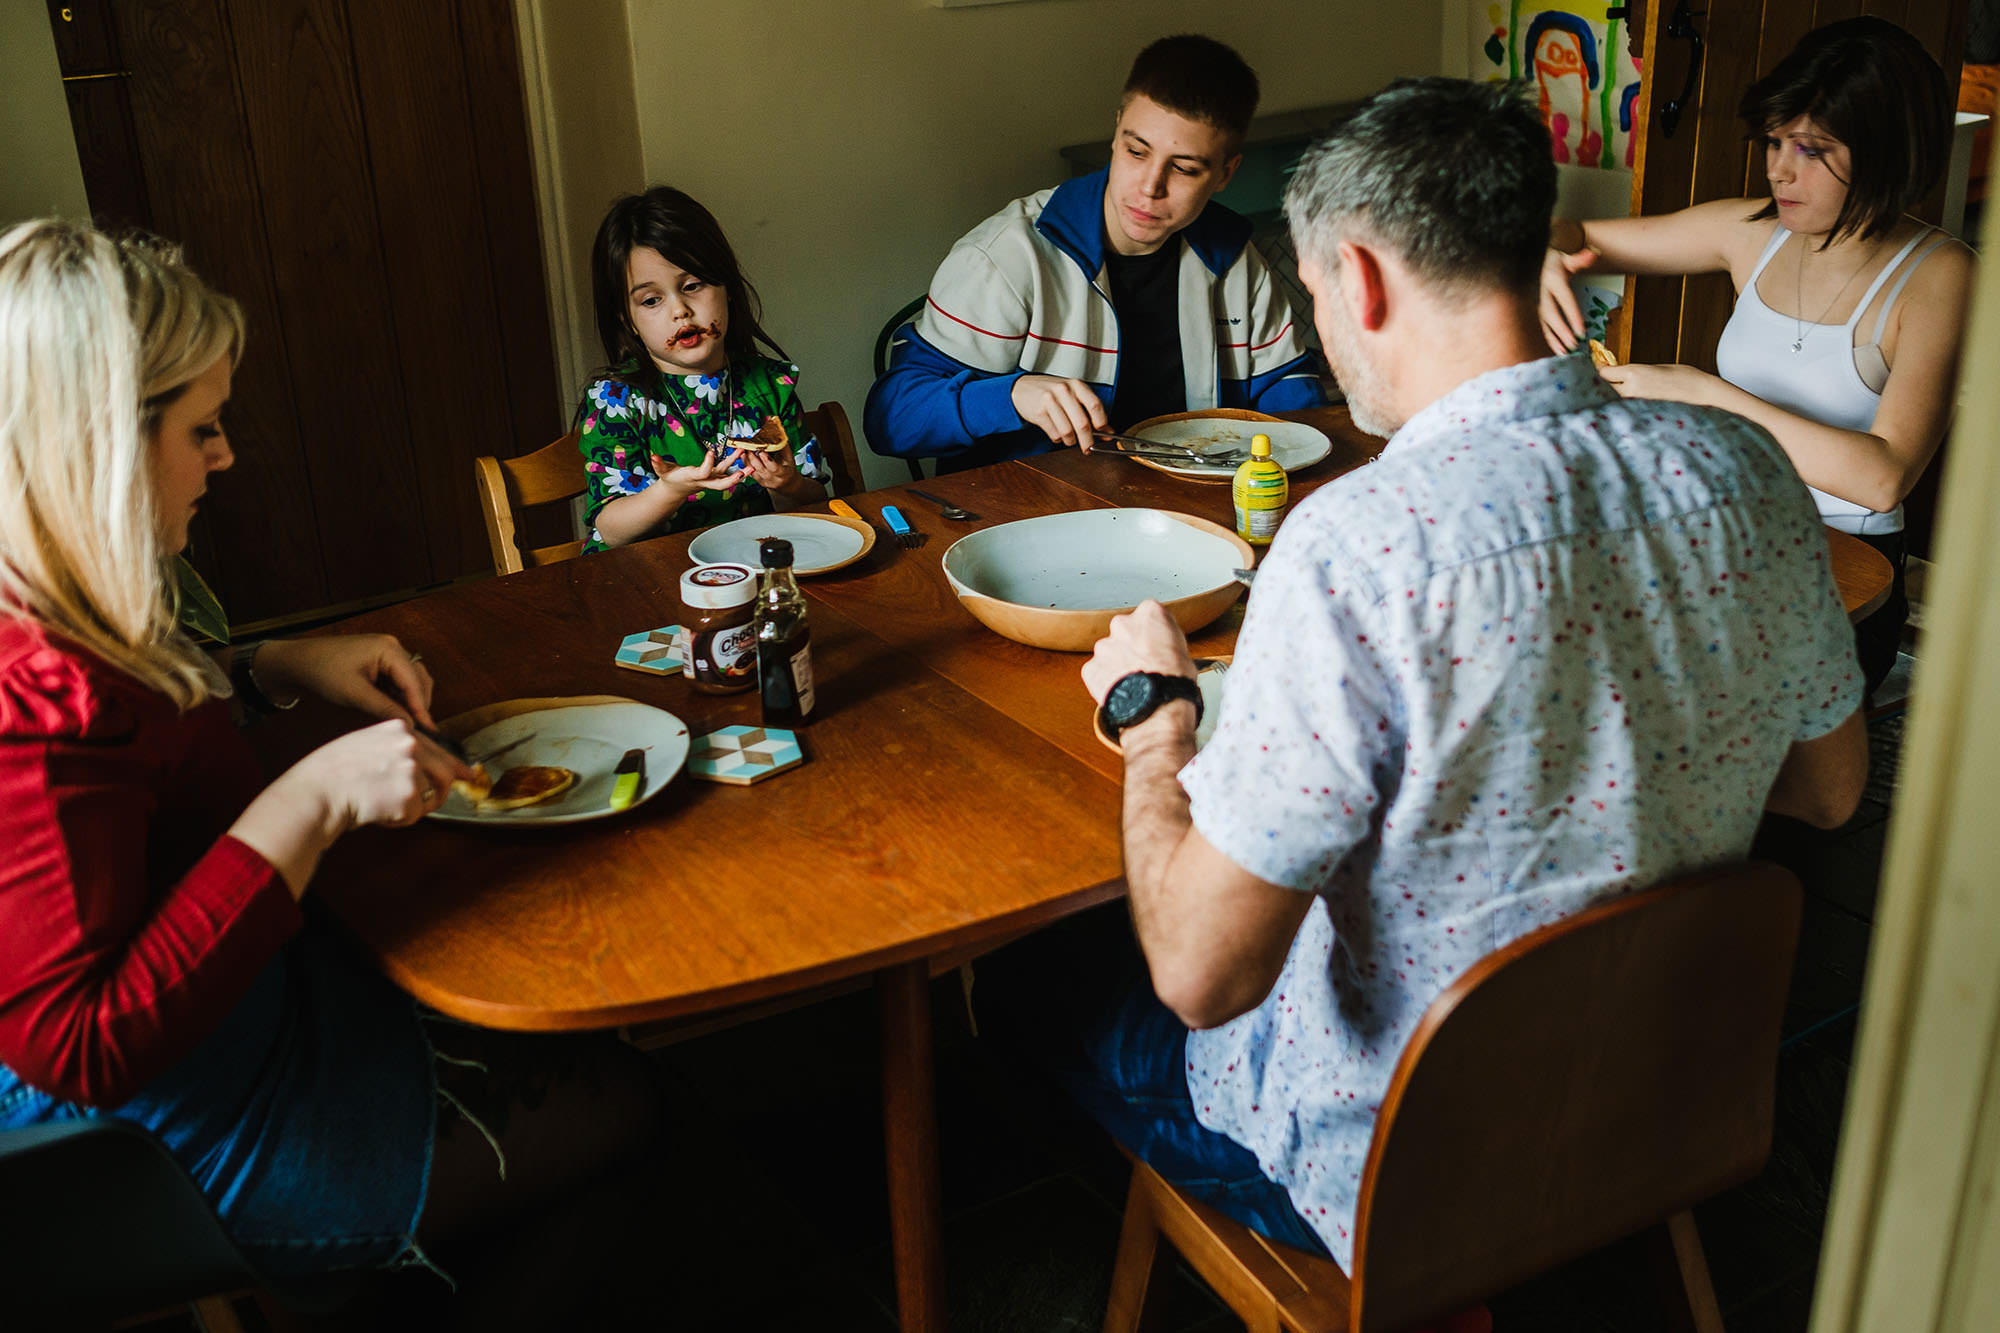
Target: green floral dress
628 417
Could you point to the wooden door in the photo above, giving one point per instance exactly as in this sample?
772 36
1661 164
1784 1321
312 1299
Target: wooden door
1707 156
356 173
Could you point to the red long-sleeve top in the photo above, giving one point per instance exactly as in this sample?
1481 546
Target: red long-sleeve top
130 922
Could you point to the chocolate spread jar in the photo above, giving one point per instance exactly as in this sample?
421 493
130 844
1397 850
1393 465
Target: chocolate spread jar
720 651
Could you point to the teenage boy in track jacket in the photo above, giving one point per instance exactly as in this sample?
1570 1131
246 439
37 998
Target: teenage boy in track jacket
1108 299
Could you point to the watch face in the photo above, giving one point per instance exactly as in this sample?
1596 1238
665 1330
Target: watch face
1130 699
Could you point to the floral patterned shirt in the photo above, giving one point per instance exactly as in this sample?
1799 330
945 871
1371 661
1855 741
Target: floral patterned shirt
1551 647
622 426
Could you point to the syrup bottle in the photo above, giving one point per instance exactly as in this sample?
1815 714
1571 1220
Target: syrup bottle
784 651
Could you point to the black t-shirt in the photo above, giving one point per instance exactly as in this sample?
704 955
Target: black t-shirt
1145 290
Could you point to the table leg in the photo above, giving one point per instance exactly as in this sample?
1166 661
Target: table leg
909 1127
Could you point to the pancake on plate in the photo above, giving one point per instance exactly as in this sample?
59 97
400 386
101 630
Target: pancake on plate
529 784
769 439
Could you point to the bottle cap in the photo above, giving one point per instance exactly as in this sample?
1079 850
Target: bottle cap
1260 446
774 553
717 587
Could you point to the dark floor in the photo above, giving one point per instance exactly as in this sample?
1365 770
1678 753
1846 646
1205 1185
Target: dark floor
774 1215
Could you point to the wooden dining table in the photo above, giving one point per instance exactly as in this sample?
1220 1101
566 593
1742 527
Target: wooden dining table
955 796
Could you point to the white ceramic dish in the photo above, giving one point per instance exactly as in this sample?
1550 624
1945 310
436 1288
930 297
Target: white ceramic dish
1057 580
589 738
1294 444
1209 679
820 542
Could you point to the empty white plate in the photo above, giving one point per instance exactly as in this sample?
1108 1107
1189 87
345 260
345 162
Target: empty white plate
820 542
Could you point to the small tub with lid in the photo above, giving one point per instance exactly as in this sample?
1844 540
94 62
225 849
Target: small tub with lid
720 651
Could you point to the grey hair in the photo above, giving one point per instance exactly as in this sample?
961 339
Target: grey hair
1457 178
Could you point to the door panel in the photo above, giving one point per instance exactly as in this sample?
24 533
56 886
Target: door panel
257 538
357 176
1676 319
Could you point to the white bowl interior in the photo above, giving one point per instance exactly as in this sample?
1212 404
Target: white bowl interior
1092 560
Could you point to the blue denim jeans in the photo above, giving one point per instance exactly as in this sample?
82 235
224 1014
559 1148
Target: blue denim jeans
1076 1002
306 1118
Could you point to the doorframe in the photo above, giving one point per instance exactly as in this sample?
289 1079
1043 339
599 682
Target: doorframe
1913 1231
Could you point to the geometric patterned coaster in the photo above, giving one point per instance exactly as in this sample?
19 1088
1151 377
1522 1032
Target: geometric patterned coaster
743 755
656 651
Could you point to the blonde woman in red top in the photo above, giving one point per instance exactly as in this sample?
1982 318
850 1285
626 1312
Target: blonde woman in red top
154 961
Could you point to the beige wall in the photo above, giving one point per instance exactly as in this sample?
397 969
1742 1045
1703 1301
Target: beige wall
38 169
576 68
844 144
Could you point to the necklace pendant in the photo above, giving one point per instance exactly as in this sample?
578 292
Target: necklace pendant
1798 343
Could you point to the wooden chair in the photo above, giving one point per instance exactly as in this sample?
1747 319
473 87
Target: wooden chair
883 341
554 473
1588 1081
827 423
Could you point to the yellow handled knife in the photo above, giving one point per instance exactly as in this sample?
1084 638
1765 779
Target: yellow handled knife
629 781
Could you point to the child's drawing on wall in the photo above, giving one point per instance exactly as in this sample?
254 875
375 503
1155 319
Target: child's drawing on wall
1586 81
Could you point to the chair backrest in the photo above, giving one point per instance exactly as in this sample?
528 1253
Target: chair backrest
508 485
883 341
889 330
827 423
1575 1086
102 1223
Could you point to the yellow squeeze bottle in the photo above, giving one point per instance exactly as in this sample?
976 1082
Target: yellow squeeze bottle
1260 491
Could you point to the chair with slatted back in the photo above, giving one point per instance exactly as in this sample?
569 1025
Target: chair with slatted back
1585 1083
554 473
551 474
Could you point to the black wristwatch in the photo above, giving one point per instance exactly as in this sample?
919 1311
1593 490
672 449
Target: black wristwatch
1134 698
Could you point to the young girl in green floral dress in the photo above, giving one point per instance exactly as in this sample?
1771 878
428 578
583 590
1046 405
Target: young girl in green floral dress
685 381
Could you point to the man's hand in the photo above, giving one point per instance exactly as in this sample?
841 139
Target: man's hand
1067 411
1143 639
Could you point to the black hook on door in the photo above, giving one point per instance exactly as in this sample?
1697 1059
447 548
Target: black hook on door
1680 24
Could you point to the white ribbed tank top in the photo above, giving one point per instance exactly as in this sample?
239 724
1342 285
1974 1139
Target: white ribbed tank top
1822 375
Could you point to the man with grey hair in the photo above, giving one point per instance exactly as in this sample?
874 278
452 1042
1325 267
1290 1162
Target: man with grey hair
1551 647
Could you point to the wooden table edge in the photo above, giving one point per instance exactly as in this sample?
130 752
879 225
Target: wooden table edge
958 942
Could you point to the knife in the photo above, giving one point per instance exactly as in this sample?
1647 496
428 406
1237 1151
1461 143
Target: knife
629 781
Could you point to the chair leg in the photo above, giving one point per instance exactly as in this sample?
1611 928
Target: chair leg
1684 1280
216 1314
1136 1278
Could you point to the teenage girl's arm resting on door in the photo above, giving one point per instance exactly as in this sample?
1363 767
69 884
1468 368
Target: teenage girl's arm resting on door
1708 238
1877 467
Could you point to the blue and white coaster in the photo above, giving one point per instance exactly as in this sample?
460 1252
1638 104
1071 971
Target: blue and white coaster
657 652
743 755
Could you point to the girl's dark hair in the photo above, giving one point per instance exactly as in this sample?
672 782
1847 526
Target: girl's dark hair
1872 86
688 237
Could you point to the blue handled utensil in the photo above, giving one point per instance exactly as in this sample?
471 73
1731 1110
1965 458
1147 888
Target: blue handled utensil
899 525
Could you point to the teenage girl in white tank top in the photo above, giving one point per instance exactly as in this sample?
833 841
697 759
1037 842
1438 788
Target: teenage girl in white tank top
1856 124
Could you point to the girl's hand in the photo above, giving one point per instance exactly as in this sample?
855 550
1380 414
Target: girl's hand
1562 319
384 774
1673 384
371 673
711 474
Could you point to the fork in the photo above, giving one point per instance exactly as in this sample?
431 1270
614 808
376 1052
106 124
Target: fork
899 525
948 509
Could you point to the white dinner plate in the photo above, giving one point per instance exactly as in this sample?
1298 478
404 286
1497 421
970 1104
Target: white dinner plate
1294 444
588 738
820 542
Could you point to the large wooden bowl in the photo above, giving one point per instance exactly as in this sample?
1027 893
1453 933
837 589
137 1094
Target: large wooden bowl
1057 580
